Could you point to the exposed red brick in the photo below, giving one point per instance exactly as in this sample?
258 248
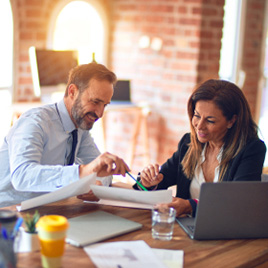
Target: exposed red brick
197 10
193 1
34 25
24 57
187 55
189 21
25 81
161 8
29 92
156 19
26 35
33 13
126 7
216 23
41 36
182 9
33 3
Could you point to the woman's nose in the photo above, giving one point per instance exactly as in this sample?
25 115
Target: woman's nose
200 124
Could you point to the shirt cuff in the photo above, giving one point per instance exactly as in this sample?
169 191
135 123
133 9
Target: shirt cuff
69 174
193 203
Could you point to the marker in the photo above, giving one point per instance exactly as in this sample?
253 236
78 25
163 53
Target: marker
142 187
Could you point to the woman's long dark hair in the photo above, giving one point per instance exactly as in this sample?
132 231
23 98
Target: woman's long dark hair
231 101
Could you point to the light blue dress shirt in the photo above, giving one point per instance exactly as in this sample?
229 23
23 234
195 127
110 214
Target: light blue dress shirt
35 153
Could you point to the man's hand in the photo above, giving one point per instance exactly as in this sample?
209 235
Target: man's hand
104 165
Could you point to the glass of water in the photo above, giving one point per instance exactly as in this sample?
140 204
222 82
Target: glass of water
163 222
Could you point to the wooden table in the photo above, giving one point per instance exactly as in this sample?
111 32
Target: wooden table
216 253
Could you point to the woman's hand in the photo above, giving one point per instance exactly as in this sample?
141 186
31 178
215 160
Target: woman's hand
150 176
182 206
104 165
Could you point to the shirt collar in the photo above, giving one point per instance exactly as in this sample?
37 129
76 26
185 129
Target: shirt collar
66 120
219 156
203 158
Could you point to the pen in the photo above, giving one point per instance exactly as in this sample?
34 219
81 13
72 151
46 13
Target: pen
16 227
4 233
137 181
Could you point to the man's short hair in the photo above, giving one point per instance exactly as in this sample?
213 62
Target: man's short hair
82 74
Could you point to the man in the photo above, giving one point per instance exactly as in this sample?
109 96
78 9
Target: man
36 153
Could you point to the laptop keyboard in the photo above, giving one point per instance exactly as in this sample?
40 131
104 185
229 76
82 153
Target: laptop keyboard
191 228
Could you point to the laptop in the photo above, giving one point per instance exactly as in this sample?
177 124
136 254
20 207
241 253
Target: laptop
97 226
122 93
229 210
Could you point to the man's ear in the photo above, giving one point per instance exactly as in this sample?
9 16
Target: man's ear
72 91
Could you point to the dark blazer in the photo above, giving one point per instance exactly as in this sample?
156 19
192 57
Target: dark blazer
246 166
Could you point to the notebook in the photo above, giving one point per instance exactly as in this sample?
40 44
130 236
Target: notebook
97 226
229 210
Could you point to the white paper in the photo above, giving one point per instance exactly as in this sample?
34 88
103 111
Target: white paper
81 186
171 258
130 254
123 204
150 198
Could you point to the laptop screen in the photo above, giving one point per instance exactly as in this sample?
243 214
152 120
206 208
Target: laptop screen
122 91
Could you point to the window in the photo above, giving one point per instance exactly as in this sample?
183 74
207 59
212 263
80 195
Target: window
79 26
6 66
263 88
6 51
231 40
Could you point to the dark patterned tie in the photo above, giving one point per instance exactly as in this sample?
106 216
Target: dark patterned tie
74 134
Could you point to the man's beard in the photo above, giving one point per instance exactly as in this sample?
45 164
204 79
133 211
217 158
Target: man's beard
78 115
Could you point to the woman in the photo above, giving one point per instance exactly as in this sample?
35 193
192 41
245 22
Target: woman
223 146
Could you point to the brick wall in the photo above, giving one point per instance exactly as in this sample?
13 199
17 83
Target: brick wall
32 22
191 33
